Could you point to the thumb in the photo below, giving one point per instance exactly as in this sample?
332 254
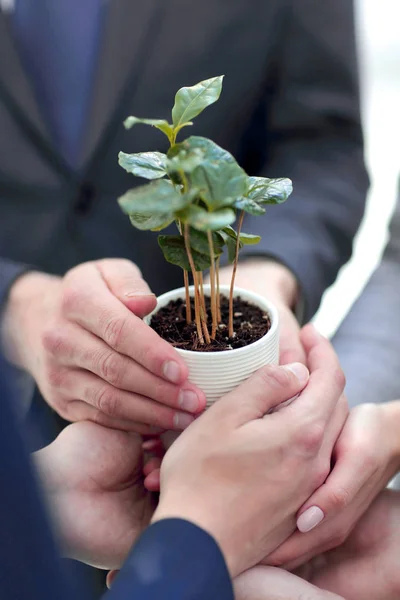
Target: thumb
125 281
269 386
111 575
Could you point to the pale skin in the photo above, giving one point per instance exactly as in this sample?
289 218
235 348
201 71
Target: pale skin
83 469
82 339
365 566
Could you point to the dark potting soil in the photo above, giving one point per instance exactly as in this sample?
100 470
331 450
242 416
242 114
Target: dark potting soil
250 324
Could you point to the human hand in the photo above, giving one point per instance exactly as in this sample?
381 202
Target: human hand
93 481
262 466
276 283
270 583
366 457
367 565
83 340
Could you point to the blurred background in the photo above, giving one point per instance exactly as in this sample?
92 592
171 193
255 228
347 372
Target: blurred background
379 45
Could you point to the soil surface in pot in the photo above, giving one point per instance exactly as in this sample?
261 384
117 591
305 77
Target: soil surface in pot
250 324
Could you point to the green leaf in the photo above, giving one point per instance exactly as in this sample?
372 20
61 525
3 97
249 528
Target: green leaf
160 124
249 206
220 179
150 165
230 231
146 222
247 239
191 101
181 159
158 197
269 191
203 220
199 242
173 247
230 245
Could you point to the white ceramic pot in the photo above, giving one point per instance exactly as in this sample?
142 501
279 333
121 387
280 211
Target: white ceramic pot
217 373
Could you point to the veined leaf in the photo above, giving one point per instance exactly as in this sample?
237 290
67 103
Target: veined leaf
201 219
199 242
150 165
146 222
180 159
219 177
160 124
269 191
191 101
249 206
158 197
173 248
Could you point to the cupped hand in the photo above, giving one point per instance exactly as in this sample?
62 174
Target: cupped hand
242 474
367 565
276 283
93 482
366 457
84 341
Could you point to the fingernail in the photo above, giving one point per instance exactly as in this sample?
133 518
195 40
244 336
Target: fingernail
141 294
172 371
188 400
299 370
182 420
310 519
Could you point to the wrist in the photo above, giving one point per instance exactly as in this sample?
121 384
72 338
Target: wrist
24 310
267 278
197 514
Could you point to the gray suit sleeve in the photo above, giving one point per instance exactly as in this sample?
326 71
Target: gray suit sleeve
314 130
368 341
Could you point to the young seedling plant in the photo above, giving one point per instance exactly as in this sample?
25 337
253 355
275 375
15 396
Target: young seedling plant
199 186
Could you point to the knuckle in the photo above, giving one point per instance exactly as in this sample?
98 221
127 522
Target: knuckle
107 402
71 299
55 377
340 498
53 341
109 368
339 378
310 437
275 377
114 331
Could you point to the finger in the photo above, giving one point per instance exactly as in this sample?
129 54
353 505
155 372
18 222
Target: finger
267 388
117 404
152 465
326 383
125 281
111 575
76 347
153 445
152 481
290 347
90 303
81 411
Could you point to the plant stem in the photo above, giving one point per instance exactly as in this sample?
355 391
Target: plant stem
202 309
230 327
217 262
212 277
197 299
203 300
187 295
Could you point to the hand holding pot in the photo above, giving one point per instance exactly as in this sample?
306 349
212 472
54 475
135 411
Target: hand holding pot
367 456
276 283
240 473
83 340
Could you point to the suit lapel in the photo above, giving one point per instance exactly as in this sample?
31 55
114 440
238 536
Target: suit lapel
14 79
130 28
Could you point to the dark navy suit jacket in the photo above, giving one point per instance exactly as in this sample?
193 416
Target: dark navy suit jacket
173 559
